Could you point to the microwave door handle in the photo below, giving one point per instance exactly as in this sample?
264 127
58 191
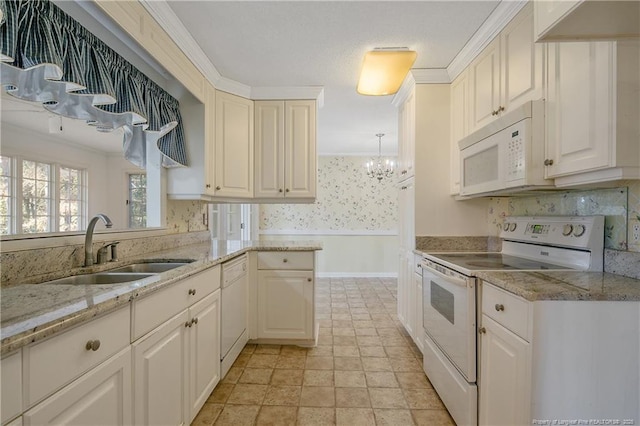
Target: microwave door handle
460 282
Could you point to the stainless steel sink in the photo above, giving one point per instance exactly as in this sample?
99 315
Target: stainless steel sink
101 278
151 267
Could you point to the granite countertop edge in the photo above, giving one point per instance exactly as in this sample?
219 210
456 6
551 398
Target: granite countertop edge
562 285
108 298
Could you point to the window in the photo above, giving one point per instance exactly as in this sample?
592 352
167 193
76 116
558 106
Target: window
38 197
6 196
137 201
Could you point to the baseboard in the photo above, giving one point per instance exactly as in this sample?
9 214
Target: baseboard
357 274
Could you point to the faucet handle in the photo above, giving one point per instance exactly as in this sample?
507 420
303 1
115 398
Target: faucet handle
114 251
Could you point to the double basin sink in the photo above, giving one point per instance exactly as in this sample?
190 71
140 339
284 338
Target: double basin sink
125 274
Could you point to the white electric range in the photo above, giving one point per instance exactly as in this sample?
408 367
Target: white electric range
450 294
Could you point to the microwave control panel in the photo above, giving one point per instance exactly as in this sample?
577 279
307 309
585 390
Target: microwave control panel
516 152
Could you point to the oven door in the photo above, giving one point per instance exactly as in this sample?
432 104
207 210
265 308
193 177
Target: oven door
449 315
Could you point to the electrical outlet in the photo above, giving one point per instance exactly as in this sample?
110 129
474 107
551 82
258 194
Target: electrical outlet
635 233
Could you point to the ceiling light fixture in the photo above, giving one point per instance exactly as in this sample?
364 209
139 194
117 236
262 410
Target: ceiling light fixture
379 168
384 69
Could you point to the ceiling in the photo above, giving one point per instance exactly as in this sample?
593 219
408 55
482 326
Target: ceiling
322 43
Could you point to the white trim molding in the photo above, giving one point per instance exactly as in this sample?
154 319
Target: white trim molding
357 274
499 18
327 232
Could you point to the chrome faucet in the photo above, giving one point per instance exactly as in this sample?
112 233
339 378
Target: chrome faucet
88 239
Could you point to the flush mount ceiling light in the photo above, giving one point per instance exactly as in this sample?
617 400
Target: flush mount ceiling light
384 69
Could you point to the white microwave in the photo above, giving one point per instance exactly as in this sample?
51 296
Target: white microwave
507 155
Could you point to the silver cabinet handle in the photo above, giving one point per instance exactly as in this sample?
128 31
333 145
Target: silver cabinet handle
499 307
92 345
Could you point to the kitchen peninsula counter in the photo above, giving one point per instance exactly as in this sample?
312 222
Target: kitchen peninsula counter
35 310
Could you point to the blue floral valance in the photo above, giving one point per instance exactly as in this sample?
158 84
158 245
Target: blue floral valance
48 57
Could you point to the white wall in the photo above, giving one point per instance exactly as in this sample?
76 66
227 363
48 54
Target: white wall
437 212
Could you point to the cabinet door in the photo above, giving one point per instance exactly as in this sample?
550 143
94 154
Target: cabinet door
410 295
580 109
11 386
418 330
407 141
459 125
100 397
505 379
210 140
521 61
160 374
204 351
269 141
300 149
285 304
402 287
485 85
234 146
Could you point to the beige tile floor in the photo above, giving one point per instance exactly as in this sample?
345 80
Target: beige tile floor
365 369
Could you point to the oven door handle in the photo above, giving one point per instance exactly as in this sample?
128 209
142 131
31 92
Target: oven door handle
460 282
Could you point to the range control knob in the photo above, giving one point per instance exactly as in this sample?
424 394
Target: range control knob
512 226
579 230
566 230
505 227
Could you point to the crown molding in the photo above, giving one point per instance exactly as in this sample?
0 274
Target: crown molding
499 18
300 92
430 76
403 93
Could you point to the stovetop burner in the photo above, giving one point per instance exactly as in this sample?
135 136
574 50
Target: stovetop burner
494 262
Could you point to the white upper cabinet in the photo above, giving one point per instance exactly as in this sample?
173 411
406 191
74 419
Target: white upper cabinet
234 146
566 20
592 112
459 125
507 73
285 144
407 138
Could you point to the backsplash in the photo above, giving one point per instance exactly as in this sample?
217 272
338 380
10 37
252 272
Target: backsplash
185 216
347 200
620 206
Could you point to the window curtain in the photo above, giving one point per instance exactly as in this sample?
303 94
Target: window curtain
48 57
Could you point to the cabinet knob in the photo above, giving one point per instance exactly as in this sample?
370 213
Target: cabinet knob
482 330
218 188
419 265
208 185
280 190
499 307
92 345
194 321
309 280
500 109
286 190
548 162
284 260
494 112
187 324
192 291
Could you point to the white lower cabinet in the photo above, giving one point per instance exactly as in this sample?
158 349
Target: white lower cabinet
176 366
285 304
100 397
557 359
11 388
505 367
418 330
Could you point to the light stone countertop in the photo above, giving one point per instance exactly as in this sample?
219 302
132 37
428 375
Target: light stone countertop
32 312
565 285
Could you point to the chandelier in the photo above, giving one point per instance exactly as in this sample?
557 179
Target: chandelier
379 168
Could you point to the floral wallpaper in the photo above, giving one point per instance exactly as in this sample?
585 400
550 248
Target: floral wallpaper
347 200
620 206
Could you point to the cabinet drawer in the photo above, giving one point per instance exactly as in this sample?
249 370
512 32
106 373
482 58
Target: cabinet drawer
234 269
285 260
51 364
11 391
507 309
151 311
